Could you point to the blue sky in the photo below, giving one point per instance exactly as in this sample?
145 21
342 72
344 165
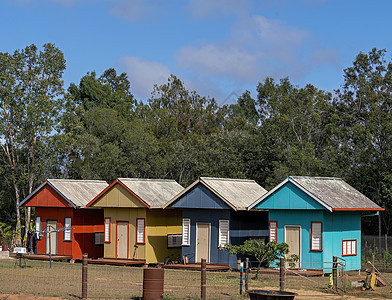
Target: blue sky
216 47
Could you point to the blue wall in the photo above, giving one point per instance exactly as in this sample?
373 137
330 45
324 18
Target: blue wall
200 205
208 216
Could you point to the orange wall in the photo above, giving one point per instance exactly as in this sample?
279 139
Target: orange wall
84 221
47 197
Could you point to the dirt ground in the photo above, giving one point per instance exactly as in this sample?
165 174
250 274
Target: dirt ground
63 281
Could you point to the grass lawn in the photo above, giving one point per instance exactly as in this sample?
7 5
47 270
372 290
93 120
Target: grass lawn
113 282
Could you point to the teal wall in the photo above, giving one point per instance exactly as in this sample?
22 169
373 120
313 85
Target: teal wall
303 218
339 226
289 197
291 206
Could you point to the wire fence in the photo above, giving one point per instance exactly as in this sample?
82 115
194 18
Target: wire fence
64 279
370 248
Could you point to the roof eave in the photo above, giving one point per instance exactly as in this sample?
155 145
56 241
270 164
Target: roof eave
359 209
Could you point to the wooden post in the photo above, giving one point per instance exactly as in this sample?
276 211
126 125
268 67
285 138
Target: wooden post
241 277
335 273
84 276
203 279
246 273
282 275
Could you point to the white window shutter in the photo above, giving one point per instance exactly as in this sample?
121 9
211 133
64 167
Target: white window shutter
223 232
186 232
38 226
273 231
316 236
107 230
67 229
140 231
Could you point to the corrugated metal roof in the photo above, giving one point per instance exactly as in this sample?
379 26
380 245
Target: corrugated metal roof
155 192
238 193
79 192
334 192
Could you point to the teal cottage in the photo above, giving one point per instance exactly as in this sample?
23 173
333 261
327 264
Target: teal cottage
318 217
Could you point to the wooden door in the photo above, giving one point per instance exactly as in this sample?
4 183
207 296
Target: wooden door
203 241
51 225
293 239
122 240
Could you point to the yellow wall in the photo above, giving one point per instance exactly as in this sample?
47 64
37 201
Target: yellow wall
159 224
118 196
130 215
121 205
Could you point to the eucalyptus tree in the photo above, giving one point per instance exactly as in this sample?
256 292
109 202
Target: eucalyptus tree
298 122
364 127
30 101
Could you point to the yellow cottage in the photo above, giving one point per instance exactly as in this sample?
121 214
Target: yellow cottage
136 226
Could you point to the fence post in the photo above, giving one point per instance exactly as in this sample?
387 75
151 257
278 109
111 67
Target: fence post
84 276
241 277
386 242
335 273
203 279
282 275
246 273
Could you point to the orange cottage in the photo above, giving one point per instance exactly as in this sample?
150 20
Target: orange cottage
60 205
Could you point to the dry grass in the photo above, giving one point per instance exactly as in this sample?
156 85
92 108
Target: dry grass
113 282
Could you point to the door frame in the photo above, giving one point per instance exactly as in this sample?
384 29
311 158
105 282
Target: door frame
300 240
46 239
119 221
209 241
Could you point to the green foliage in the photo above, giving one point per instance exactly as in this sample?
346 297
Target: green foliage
260 250
5 234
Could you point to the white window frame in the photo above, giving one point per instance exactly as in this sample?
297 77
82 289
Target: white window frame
68 229
107 235
349 247
140 230
174 240
38 227
186 232
224 237
316 233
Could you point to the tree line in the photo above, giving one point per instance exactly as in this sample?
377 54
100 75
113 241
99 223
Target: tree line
96 129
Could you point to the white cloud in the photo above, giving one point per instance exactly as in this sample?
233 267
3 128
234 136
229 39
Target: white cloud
256 48
143 74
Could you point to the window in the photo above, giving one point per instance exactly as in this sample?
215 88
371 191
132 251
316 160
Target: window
107 230
223 232
186 232
273 231
349 247
67 229
174 240
98 238
38 227
316 236
139 231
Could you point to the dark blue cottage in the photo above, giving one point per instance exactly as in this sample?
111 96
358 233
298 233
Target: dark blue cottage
214 212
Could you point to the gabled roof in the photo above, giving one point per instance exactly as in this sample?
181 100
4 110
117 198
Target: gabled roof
236 193
332 193
154 193
78 193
